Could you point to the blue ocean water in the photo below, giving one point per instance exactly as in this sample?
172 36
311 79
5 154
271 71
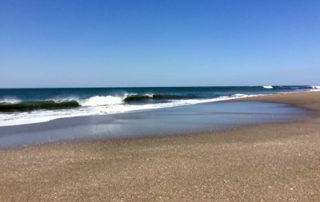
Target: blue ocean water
37 94
102 101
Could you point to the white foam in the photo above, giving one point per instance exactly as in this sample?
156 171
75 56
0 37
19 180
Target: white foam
315 88
99 105
267 87
10 100
101 101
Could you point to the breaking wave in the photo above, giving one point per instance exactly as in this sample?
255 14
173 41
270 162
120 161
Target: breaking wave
101 101
9 100
148 97
314 88
67 103
36 112
267 87
31 106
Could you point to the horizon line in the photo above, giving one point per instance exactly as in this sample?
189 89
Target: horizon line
203 86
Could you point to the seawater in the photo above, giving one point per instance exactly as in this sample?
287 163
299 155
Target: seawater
15 103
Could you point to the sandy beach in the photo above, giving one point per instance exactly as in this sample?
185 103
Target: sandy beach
273 162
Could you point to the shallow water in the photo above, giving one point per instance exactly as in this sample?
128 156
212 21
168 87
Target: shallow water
162 122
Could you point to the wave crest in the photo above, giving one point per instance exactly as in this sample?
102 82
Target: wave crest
31 106
146 97
267 87
10 100
101 101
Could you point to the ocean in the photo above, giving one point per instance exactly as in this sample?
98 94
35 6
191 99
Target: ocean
29 106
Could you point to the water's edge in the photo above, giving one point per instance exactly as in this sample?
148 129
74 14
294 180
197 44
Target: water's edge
193 119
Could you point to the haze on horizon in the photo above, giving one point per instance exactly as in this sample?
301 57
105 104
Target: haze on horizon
158 43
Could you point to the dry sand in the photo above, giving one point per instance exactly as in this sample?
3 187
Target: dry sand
274 162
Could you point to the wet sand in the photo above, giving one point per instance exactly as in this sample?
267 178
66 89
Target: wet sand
273 162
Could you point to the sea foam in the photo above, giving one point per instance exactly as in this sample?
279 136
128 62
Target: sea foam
315 88
101 101
10 100
267 87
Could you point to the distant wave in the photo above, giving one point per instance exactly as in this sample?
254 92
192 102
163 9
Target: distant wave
146 97
267 87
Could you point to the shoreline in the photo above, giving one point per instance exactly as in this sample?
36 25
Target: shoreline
292 98
39 116
201 118
278 161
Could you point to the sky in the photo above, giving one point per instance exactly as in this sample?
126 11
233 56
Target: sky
125 43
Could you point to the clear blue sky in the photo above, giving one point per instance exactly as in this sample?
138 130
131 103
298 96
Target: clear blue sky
70 43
